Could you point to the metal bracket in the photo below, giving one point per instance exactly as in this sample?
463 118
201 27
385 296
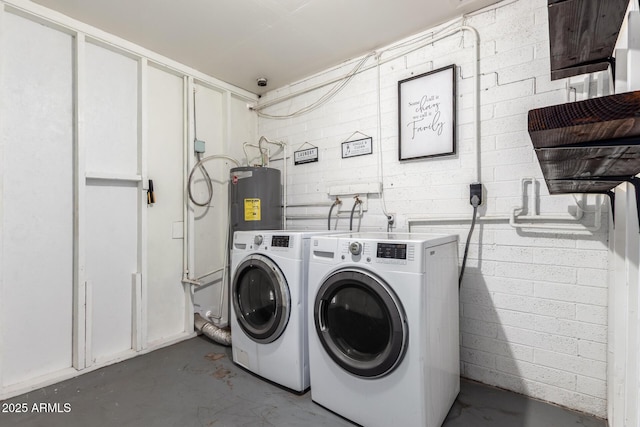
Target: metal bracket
633 180
612 201
616 180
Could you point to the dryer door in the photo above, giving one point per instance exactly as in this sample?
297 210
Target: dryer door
360 323
261 300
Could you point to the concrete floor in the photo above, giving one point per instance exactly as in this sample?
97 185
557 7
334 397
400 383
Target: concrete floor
195 383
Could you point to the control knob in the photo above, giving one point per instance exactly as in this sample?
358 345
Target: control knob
355 248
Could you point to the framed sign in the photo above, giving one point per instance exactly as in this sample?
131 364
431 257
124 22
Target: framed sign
426 114
358 147
308 155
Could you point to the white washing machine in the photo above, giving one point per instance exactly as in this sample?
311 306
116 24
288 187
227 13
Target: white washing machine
383 327
268 305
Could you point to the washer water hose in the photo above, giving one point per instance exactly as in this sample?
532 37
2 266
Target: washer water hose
336 202
219 335
353 209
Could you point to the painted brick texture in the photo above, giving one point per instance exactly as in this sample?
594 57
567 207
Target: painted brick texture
533 302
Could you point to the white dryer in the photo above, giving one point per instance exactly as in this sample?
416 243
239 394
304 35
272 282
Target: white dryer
268 305
383 327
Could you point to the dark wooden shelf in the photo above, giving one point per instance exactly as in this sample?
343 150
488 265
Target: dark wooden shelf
583 34
588 146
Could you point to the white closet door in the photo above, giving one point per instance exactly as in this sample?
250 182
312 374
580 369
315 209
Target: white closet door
36 200
112 195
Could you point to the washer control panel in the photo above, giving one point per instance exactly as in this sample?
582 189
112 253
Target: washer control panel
391 250
394 253
378 252
280 241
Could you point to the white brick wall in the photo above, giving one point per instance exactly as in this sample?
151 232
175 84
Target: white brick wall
533 303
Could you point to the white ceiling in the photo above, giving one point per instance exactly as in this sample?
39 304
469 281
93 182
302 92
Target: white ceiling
239 41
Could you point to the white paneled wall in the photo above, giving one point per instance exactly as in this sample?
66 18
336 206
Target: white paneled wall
211 220
36 204
533 301
110 134
89 273
165 218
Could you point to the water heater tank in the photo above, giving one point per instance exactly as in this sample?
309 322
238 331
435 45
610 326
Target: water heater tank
255 197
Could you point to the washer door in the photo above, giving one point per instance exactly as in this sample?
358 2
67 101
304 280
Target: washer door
261 298
360 323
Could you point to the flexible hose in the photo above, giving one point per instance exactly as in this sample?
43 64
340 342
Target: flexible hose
329 218
206 175
466 246
336 202
207 180
353 209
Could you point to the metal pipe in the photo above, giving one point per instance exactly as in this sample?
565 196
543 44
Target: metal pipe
452 218
284 172
284 187
597 222
309 205
315 216
246 155
210 273
185 153
533 207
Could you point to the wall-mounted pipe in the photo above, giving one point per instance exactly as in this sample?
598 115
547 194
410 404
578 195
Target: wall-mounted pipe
516 220
453 218
262 153
309 205
283 146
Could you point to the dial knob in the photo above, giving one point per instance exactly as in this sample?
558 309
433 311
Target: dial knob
355 248
258 239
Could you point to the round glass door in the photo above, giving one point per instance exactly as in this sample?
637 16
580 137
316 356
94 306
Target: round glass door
360 323
260 299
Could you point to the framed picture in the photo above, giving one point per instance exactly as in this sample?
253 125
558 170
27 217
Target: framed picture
426 114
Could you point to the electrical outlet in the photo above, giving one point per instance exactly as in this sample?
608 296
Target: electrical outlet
475 191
